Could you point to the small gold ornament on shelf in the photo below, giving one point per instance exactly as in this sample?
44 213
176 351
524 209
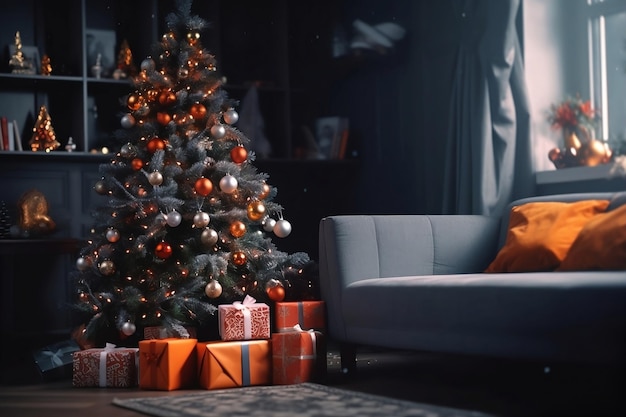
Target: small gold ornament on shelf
46 65
19 63
125 65
44 138
34 218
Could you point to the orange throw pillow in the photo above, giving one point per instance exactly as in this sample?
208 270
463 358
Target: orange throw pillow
601 244
541 233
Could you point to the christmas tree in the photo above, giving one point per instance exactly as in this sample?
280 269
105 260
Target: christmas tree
189 220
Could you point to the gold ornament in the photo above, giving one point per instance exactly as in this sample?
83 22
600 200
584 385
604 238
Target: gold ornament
594 153
34 216
213 289
237 228
44 138
256 211
265 192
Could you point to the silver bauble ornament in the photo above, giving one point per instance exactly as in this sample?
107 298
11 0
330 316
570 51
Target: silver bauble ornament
155 178
129 328
113 235
218 131
213 289
231 116
107 267
83 263
209 237
268 224
228 184
201 219
161 219
127 121
282 228
128 151
174 218
148 64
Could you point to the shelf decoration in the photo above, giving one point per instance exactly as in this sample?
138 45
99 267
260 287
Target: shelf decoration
46 65
20 63
190 221
34 217
44 139
125 65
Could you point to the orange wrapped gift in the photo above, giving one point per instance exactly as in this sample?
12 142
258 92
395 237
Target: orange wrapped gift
234 364
308 314
108 367
167 364
245 320
298 356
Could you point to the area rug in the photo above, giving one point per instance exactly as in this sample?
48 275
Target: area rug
302 400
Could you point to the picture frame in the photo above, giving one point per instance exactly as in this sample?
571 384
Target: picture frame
30 53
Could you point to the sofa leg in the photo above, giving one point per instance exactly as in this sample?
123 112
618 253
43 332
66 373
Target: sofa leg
347 352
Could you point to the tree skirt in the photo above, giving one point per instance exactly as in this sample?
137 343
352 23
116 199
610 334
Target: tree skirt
302 400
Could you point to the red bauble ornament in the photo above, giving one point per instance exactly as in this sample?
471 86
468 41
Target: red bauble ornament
275 291
197 111
239 258
238 154
237 228
163 250
155 144
163 118
137 164
167 98
203 186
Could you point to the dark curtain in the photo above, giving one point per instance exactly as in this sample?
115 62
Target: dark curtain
486 162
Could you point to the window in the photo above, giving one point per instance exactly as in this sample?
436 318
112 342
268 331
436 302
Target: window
606 22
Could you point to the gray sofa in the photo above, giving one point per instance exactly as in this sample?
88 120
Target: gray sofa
415 282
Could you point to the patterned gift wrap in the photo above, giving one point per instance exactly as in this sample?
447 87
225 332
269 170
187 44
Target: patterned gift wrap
308 314
107 367
298 356
234 364
167 364
245 320
161 332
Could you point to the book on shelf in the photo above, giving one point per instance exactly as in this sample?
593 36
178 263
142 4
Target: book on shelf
331 134
10 138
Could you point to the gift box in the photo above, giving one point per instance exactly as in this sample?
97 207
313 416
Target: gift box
308 314
234 364
245 320
55 361
298 356
162 332
105 367
167 364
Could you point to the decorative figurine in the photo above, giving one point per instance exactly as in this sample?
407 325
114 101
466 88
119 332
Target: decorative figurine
96 70
19 63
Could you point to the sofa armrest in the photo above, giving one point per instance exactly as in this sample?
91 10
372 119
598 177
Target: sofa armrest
358 247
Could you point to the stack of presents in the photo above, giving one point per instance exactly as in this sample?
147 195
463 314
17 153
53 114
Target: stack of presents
256 347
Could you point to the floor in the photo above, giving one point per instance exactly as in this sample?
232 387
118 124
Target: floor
500 388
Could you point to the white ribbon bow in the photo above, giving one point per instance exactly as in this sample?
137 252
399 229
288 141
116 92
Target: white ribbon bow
247 318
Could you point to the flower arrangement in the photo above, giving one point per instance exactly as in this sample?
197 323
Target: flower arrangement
573 115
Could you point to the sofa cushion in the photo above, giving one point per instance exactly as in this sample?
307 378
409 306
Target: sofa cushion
540 234
601 244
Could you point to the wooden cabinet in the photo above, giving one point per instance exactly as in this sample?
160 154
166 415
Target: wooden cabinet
267 45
